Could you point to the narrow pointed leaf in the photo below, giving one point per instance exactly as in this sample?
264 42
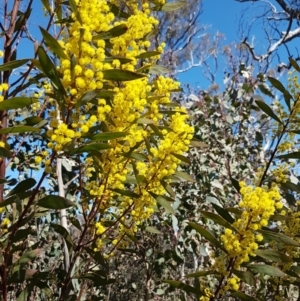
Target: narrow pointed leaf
295 155
5 153
23 186
294 64
185 176
121 75
245 276
265 108
273 255
199 144
165 204
152 230
33 120
277 84
222 212
17 103
218 219
182 158
27 256
126 193
55 202
172 6
278 237
13 65
199 274
235 184
50 70
108 136
112 33
206 234
74 9
64 233
243 296
53 44
19 129
184 287
266 270
89 148
157 70
148 54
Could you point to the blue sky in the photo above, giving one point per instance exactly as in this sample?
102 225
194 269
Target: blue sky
225 16
221 16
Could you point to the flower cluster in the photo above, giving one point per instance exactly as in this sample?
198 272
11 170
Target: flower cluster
258 205
3 88
154 131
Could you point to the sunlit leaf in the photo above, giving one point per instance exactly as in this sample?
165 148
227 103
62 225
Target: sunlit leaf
46 5
144 121
171 6
199 144
157 70
152 230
